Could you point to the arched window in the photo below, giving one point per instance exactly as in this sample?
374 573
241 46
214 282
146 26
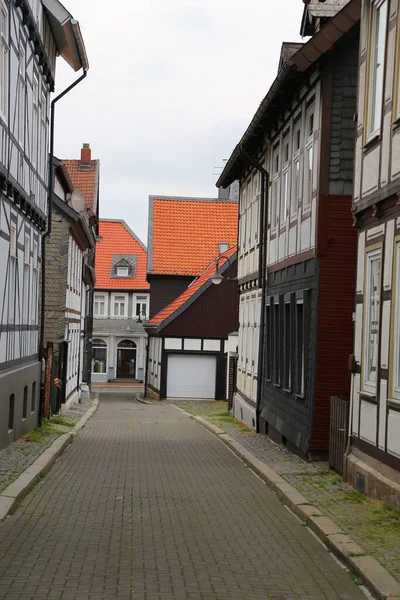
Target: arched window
127 344
99 356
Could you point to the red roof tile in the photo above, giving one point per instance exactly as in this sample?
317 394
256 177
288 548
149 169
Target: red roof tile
85 180
119 239
184 233
194 287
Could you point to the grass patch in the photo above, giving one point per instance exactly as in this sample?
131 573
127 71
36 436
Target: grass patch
354 578
215 412
56 425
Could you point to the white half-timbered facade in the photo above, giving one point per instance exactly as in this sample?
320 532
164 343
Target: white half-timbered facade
295 166
31 35
373 464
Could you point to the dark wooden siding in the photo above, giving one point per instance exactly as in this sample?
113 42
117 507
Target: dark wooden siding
214 314
164 290
336 302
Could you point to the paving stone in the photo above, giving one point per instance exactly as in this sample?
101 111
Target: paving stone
147 505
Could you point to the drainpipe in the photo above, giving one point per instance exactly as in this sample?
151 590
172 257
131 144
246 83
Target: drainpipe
262 266
46 235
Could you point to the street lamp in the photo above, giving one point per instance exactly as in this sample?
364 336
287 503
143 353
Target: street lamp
217 278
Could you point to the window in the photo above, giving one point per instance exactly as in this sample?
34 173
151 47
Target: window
43 136
285 194
371 324
100 305
27 250
35 254
35 120
300 349
25 403
223 247
396 330
33 398
141 311
276 342
275 188
3 60
13 239
268 343
119 304
21 99
123 271
99 356
376 65
309 162
11 407
287 341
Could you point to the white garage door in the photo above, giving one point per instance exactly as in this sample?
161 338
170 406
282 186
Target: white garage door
191 376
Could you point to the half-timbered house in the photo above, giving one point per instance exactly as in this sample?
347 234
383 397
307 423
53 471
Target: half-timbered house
295 165
373 464
32 33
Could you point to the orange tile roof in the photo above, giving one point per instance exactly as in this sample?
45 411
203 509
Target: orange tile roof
184 233
119 239
85 180
194 287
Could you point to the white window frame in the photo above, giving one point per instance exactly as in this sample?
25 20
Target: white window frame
4 34
113 305
396 327
375 85
275 187
144 300
13 239
125 273
27 249
368 385
309 148
295 192
21 100
96 298
35 119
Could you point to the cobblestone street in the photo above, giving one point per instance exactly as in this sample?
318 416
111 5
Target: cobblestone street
146 504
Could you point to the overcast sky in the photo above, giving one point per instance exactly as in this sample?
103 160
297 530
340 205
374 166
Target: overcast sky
171 88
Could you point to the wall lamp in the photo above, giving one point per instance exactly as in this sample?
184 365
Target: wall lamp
217 278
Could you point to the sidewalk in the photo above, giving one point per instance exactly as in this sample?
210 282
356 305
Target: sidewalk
370 523
18 457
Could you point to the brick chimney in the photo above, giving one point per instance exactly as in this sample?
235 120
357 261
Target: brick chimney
86 156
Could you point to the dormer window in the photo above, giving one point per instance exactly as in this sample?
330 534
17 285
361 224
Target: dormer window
223 247
122 271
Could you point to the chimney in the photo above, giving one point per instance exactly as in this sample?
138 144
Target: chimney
86 156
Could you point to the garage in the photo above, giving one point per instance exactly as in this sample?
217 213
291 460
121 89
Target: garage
191 376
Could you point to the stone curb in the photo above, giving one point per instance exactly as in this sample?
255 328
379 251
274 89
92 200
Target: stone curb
13 493
375 577
141 400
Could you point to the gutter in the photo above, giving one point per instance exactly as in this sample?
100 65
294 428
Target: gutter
262 267
48 233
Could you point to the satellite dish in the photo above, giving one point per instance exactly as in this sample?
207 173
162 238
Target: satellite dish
77 201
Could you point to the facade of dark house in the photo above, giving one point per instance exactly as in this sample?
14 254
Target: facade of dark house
68 250
184 235
295 161
187 345
373 461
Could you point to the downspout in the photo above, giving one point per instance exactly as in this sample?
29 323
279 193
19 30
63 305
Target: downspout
47 234
262 265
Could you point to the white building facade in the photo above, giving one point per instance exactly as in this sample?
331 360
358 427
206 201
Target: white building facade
29 43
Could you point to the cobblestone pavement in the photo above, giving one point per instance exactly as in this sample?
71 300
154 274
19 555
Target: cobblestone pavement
20 455
147 505
375 527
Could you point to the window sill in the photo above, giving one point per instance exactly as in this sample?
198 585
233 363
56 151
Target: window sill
372 142
394 404
368 397
300 397
287 390
277 385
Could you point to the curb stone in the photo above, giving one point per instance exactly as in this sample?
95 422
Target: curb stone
13 493
375 577
141 400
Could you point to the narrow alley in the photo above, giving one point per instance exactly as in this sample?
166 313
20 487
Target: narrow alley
146 504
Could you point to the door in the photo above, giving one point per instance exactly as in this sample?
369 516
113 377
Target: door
191 376
126 360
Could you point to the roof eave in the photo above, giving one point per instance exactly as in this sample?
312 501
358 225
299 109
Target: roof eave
67 35
300 62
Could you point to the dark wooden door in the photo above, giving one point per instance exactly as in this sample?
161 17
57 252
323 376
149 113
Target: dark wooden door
126 364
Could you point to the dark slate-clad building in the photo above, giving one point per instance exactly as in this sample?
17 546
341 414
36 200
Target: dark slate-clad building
297 154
